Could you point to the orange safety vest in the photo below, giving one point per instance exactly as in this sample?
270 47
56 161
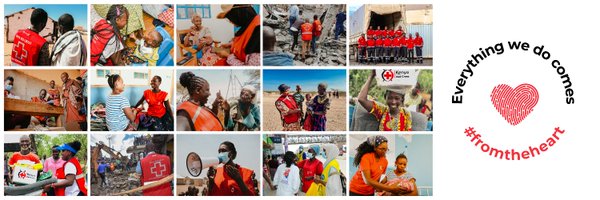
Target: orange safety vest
79 178
226 186
203 118
306 30
26 48
317 28
156 167
238 47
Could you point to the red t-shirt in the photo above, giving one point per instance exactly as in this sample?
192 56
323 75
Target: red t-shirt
410 43
18 156
387 42
378 33
368 163
403 41
370 42
362 42
370 32
398 33
379 42
156 105
396 42
418 41
309 169
390 32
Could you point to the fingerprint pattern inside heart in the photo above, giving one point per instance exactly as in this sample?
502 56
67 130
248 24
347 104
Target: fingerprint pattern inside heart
514 104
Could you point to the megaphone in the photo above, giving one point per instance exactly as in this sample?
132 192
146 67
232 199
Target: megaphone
195 164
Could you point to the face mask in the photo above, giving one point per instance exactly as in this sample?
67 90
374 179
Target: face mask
8 87
224 157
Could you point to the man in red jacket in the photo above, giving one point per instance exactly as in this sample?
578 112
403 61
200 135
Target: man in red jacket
387 45
419 47
362 45
29 48
370 49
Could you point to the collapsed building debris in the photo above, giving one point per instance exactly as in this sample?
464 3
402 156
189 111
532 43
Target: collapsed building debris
330 52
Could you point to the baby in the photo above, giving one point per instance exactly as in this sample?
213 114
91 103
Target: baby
147 47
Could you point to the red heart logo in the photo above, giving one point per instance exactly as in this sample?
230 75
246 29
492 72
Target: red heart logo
514 104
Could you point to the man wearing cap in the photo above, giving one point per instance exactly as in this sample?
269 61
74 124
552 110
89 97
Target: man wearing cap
53 163
153 168
288 109
71 179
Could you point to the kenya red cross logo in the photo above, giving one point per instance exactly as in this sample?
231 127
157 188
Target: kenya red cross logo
20 54
387 75
158 166
22 174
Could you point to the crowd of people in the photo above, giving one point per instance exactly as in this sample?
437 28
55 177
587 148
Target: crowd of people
32 49
63 165
70 96
194 115
390 46
302 173
294 117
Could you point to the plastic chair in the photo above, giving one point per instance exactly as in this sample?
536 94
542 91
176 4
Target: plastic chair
164 56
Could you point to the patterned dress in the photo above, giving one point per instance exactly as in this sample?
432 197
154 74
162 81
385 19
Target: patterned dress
387 122
319 103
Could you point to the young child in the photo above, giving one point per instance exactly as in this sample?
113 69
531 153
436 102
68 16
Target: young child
107 42
401 178
147 47
119 114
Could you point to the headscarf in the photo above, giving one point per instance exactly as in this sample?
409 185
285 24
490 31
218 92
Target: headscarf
376 140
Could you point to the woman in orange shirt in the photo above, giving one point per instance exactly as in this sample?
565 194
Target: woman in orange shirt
159 115
372 164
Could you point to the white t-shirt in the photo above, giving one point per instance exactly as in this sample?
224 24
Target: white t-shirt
72 190
287 180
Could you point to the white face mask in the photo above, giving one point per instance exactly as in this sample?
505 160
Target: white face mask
224 157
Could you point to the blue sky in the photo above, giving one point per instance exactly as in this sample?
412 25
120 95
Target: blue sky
308 79
79 11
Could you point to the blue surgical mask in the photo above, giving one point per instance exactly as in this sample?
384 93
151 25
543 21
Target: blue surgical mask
8 87
224 157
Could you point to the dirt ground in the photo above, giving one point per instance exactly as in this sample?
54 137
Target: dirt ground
336 116
8 50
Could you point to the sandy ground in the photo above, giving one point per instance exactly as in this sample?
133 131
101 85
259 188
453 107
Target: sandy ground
336 116
8 50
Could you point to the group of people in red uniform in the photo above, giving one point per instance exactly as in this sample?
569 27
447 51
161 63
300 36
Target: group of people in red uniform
389 45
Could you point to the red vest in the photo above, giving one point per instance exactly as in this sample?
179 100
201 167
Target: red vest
226 186
387 42
419 41
379 42
410 43
238 47
291 104
26 48
396 42
398 33
362 42
79 178
306 31
370 32
370 42
155 167
104 32
390 32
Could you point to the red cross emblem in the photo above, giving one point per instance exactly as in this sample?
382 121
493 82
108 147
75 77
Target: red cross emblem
160 167
387 75
20 54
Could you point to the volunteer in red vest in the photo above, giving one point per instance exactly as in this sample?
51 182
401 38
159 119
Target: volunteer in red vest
362 45
317 28
153 168
29 48
193 115
384 32
288 109
410 45
310 169
390 32
306 30
370 49
231 179
419 47
396 45
387 45
378 32
398 32
71 178
24 154
370 32
403 49
379 47
107 43
245 47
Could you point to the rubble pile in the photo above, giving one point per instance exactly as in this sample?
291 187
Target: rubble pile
118 181
329 52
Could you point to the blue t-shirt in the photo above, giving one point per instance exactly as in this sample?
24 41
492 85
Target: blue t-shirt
115 117
102 168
